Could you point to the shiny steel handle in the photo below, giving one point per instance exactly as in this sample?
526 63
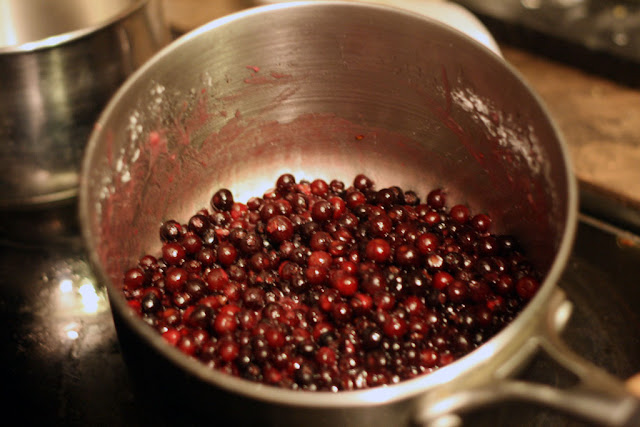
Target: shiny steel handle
598 396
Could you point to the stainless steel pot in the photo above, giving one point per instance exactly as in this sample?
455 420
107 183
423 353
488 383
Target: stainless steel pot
60 62
332 89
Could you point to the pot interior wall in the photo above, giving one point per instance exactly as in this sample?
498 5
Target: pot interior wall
323 95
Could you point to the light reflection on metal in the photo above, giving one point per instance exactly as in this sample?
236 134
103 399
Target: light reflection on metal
569 3
47 42
90 298
620 12
77 294
620 38
71 331
8 29
66 286
531 4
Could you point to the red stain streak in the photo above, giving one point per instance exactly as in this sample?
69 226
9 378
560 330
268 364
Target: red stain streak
277 75
157 144
154 139
447 91
253 68
272 78
535 193
201 114
180 127
259 80
109 139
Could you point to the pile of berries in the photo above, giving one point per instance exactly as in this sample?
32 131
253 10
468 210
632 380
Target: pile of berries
322 286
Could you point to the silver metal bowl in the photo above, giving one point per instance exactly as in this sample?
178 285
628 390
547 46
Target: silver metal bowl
329 90
60 62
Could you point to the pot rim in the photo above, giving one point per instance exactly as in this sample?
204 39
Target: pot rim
70 36
502 343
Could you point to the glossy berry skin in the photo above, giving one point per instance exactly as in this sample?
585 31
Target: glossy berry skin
134 278
427 243
527 287
436 199
279 228
481 223
175 279
319 187
395 327
228 350
407 255
362 182
285 182
459 214
378 250
441 280
225 323
322 211
173 253
227 254
170 231
320 285
345 283
217 279
222 200
380 225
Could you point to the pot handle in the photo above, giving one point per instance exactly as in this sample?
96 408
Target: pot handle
597 397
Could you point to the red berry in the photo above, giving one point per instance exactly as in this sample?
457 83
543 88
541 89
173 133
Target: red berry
345 283
395 327
222 200
441 280
527 287
228 349
427 243
326 356
275 337
279 229
459 214
134 278
378 250
217 279
319 259
227 253
436 199
319 187
173 253
481 223
225 323
172 336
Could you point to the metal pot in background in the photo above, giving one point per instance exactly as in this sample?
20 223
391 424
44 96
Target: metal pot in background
60 62
329 90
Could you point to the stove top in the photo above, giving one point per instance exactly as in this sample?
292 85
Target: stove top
600 36
63 365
